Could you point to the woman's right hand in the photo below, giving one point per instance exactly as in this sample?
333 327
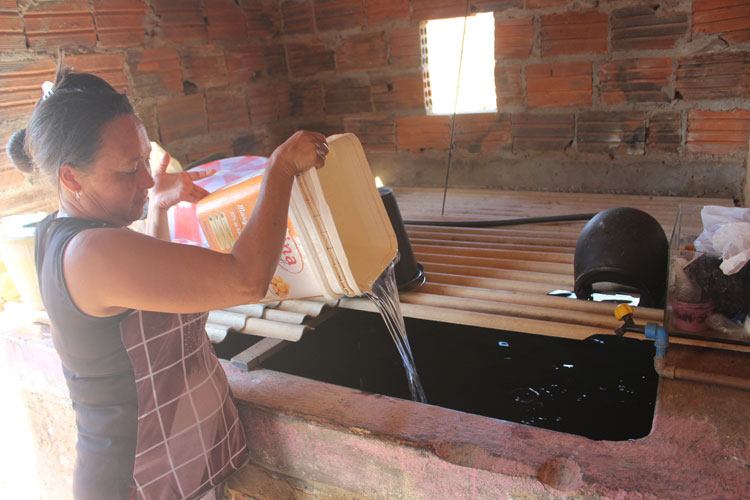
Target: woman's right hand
302 151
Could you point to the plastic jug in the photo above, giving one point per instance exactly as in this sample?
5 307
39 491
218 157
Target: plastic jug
17 252
339 237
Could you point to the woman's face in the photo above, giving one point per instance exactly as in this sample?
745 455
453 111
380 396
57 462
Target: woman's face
115 187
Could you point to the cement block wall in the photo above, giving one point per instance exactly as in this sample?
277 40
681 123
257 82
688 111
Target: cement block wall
311 440
610 96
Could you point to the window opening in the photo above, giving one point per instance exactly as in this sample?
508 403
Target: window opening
441 57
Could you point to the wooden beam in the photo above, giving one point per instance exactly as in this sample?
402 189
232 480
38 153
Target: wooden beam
256 353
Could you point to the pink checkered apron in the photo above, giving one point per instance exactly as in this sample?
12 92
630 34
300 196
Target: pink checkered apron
190 437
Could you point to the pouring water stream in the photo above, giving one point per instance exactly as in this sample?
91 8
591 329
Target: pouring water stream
384 295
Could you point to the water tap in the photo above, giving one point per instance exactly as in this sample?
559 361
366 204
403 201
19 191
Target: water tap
624 313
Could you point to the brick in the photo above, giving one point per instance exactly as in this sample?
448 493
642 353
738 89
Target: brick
147 113
309 58
37 197
729 18
380 11
405 47
362 51
423 10
6 131
106 66
275 57
636 80
642 28
417 133
204 66
540 4
297 17
327 126
338 14
482 132
61 23
11 177
664 131
119 23
508 86
254 144
724 75
21 86
375 134
11 27
180 20
558 84
582 32
514 38
225 20
226 110
263 18
494 5
347 96
202 151
611 132
182 117
155 71
545 132
306 99
718 132
245 63
268 102
398 92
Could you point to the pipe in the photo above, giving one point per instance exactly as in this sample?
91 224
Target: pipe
501 222
677 373
661 341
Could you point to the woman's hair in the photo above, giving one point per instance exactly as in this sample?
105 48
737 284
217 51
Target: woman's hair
66 125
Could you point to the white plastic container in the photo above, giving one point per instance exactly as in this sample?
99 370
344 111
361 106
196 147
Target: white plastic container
17 252
339 237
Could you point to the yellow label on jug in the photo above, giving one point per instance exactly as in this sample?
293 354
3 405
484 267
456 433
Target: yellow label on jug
222 216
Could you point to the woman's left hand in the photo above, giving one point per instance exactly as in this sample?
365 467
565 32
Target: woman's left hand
170 189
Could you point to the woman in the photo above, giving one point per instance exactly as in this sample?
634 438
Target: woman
154 415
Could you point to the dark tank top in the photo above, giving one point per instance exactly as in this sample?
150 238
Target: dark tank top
153 406
96 366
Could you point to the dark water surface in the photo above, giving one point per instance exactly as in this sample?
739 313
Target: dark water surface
602 388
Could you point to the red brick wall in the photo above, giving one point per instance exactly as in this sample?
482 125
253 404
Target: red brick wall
623 81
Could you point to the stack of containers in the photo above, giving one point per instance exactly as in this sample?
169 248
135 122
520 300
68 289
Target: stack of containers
339 238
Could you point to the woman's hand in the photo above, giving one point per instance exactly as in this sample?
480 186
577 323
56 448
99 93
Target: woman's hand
302 151
170 189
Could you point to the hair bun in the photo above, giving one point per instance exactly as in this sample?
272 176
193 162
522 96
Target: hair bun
16 150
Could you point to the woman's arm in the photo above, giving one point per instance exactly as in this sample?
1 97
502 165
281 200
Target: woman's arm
112 269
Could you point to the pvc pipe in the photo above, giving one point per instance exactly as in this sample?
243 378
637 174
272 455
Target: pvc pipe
661 339
459 258
555 280
501 222
674 372
488 306
477 251
532 299
461 317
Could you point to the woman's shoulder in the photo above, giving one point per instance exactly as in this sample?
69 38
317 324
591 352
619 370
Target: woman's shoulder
55 223
55 231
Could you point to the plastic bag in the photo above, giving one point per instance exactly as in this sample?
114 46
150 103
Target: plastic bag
183 221
726 231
